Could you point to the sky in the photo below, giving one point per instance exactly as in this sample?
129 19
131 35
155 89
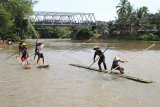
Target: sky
103 10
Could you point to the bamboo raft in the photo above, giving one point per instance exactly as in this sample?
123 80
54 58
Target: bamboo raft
27 66
43 66
114 73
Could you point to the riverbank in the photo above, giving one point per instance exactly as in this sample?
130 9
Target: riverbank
145 37
3 43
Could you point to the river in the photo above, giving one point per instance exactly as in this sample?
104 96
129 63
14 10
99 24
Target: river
62 85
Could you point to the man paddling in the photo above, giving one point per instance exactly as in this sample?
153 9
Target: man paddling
101 57
116 66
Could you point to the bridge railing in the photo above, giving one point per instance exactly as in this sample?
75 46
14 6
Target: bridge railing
63 18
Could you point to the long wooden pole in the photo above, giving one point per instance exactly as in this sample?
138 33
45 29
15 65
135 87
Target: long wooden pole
65 34
33 30
82 43
98 57
76 47
134 56
140 52
11 55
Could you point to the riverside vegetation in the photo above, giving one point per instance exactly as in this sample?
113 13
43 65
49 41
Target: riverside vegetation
130 24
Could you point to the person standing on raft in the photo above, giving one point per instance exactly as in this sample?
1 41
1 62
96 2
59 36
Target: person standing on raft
20 48
101 57
36 49
40 52
25 55
116 66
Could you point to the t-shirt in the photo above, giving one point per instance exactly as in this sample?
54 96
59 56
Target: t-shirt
40 48
99 53
115 62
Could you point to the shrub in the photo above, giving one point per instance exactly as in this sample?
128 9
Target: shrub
148 37
84 33
13 38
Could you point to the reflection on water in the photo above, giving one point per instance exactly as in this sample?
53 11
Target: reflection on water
62 85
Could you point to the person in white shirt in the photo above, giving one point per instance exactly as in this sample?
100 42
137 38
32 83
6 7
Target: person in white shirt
40 52
36 50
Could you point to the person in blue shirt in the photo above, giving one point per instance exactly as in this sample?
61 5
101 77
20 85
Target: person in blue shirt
116 66
101 57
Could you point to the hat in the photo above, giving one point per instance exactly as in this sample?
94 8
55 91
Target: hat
23 44
116 58
95 47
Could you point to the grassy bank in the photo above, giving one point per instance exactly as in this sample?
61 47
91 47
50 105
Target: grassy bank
145 37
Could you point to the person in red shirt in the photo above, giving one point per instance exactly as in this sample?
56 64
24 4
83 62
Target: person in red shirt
25 54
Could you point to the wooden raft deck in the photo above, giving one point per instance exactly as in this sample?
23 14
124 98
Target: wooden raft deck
114 73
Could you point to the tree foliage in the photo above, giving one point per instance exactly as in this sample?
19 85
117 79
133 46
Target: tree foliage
53 32
13 14
134 22
5 22
84 33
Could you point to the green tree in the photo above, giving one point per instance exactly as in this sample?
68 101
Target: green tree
102 27
124 12
141 18
122 8
155 21
111 27
5 22
84 33
19 10
53 32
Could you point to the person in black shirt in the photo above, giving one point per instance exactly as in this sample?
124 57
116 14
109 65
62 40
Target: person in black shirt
101 57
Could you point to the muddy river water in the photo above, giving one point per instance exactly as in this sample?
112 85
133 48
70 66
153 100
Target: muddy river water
62 85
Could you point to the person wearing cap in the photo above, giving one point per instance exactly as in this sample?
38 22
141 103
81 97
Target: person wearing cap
116 66
40 52
20 47
36 49
101 57
25 54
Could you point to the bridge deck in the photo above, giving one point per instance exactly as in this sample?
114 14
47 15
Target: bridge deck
63 18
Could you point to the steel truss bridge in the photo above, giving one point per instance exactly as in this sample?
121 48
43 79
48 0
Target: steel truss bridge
63 19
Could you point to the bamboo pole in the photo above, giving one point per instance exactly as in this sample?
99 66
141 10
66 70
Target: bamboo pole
36 33
98 57
133 57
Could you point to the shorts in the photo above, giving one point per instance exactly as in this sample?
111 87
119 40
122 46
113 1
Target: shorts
24 59
40 55
117 67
